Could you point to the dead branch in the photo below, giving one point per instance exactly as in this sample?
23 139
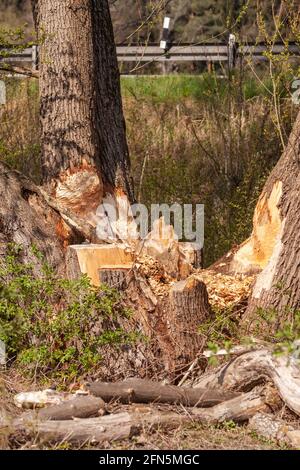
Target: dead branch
20 71
145 391
247 370
79 407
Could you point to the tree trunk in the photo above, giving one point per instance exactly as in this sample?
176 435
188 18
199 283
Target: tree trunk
278 219
84 148
26 219
78 407
169 314
273 250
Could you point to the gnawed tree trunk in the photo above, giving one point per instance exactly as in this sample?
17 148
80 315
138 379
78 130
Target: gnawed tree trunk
278 285
27 220
84 148
170 314
273 250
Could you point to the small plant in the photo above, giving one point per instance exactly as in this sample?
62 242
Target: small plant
54 326
221 331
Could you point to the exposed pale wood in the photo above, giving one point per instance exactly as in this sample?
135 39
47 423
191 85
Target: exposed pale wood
78 407
251 368
239 409
145 391
91 430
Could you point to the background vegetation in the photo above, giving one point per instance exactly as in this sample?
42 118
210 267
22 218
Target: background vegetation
200 139
209 138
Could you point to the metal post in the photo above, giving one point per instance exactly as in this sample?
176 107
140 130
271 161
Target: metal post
164 43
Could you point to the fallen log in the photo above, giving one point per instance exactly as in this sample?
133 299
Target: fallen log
41 398
91 430
238 410
78 407
124 425
251 368
145 391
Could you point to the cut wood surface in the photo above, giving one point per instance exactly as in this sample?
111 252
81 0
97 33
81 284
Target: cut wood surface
247 370
145 391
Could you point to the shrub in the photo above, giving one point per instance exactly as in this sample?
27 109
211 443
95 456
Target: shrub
54 326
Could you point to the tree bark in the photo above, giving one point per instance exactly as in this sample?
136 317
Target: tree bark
278 285
169 314
145 391
26 219
273 250
125 425
84 148
78 407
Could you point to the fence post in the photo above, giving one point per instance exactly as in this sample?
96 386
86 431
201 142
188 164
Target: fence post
164 43
34 58
232 49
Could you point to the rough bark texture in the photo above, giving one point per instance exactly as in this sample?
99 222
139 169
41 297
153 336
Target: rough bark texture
84 149
145 391
115 278
186 309
26 219
169 314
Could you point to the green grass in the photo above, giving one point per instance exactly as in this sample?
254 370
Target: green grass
175 88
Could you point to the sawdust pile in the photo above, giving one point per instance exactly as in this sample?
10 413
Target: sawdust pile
226 291
154 272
